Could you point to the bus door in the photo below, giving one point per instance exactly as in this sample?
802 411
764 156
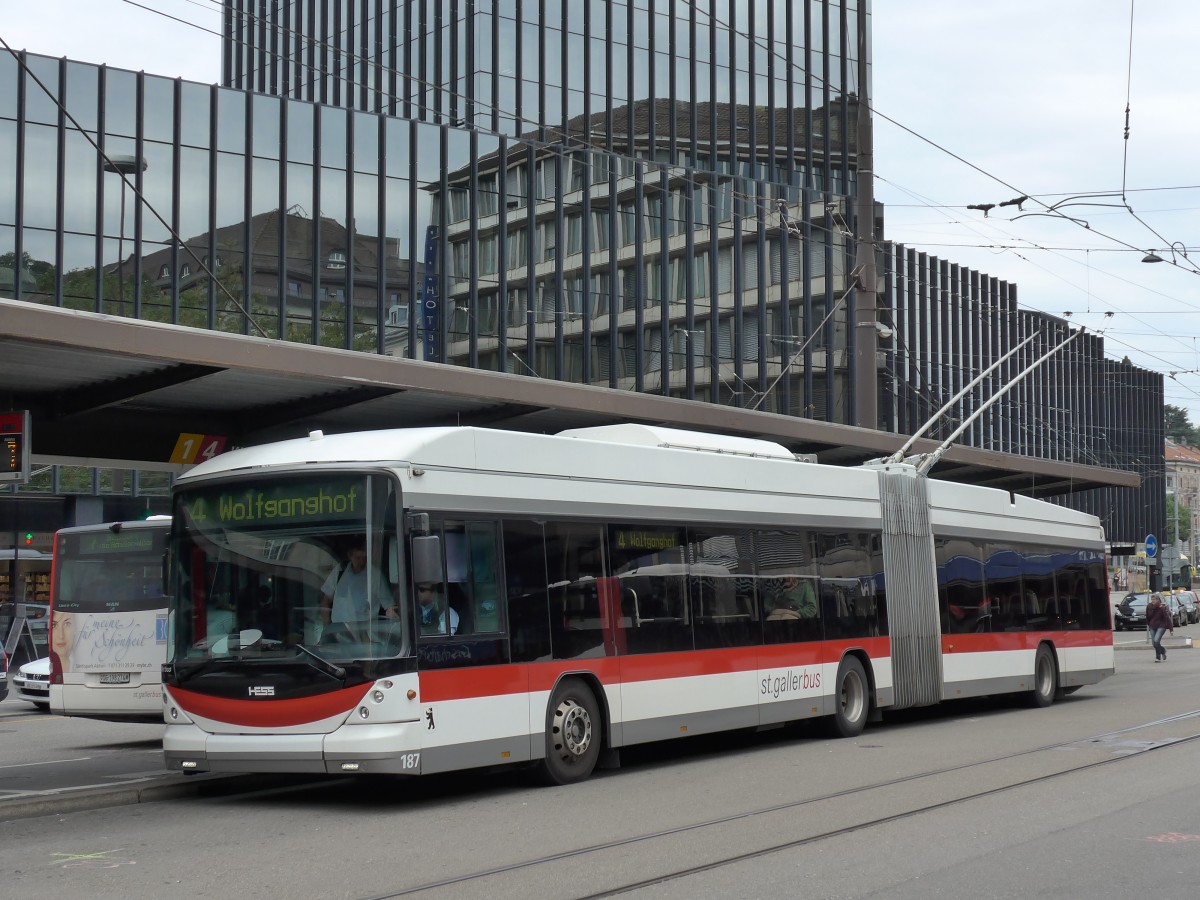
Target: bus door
475 701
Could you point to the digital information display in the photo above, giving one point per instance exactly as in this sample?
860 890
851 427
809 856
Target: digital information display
139 540
14 446
290 502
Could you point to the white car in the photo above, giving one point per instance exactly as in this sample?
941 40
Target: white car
32 683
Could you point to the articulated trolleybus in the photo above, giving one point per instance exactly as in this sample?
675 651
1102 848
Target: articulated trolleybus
108 620
422 600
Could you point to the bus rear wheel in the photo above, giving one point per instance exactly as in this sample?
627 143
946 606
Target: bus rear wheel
1045 678
572 734
852 699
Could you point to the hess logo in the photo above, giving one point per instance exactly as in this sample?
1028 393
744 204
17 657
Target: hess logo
262 690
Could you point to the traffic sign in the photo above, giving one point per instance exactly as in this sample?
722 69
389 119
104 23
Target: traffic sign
192 448
1151 546
1170 559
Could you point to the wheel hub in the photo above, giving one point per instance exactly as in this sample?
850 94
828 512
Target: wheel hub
576 728
852 695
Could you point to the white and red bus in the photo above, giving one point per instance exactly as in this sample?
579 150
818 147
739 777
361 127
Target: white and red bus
108 620
609 586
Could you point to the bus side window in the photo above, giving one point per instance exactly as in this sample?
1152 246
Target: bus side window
473 577
484 601
525 587
574 561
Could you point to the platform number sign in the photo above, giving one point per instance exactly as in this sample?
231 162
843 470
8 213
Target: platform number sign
197 448
14 446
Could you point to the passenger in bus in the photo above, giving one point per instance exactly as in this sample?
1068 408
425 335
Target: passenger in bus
221 620
350 591
795 599
435 614
1033 606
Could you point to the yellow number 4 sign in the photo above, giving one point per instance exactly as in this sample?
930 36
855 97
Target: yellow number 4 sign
193 448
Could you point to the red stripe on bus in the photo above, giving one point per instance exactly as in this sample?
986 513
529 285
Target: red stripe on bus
776 655
1023 640
494 681
270 713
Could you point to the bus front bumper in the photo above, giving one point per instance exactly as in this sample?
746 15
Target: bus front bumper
384 749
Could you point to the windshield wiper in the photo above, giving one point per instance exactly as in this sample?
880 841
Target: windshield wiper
322 664
189 670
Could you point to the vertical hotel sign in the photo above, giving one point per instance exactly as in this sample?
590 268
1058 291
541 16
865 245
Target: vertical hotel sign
14 446
431 313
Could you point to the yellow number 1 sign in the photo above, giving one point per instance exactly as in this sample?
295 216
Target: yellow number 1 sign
194 448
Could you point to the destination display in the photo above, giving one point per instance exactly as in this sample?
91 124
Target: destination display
290 502
131 541
646 539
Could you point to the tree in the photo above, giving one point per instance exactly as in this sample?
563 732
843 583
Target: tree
1184 519
1178 428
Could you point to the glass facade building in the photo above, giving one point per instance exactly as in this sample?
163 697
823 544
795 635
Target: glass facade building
636 195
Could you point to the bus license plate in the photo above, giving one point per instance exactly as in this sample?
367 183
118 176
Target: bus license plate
114 678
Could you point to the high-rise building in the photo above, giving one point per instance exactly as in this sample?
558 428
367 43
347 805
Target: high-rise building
645 196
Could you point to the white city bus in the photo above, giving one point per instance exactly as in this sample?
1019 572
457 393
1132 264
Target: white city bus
609 586
108 620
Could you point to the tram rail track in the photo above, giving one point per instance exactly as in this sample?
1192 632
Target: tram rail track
1120 745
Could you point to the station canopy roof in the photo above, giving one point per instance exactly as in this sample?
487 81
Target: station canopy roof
113 391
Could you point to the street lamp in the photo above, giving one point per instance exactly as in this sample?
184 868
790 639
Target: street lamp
123 166
1152 257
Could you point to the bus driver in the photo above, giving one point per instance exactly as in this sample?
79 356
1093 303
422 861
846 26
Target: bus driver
435 615
348 592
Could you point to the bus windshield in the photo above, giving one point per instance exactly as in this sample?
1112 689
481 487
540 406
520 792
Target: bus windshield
107 571
303 567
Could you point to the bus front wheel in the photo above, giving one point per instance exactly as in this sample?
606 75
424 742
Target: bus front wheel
572 734
852 699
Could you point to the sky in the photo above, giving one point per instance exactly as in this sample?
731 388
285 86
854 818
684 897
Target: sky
975 103
992 101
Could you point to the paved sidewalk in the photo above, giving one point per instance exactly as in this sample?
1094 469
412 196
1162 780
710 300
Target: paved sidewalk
168 786
1142 642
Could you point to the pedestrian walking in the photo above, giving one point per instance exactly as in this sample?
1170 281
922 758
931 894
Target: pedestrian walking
1158 623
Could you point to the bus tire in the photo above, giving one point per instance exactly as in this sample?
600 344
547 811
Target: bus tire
572 734
851 699
1045 678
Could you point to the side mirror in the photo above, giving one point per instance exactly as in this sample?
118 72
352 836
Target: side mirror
166 572
427 559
